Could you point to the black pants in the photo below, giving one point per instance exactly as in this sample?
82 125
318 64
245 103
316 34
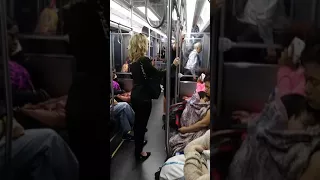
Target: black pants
187 72
142 110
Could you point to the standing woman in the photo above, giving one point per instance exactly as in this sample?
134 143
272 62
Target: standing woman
138 47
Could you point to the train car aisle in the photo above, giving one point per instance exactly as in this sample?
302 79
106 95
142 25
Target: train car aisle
123 164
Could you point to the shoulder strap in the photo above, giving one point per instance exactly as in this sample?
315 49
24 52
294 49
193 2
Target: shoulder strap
142 69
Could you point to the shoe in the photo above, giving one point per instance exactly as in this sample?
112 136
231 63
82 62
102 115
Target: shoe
128 137
164 122
143 158
145 142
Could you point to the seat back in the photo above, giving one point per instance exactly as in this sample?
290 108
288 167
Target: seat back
247 86
187 88
126 84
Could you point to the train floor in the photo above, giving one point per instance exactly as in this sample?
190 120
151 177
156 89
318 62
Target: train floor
123 164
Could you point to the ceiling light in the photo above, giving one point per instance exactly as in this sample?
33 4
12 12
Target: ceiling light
205 15
191 5
118 9
151 15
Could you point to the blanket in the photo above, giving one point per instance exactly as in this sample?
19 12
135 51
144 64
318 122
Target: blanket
194 111
271 151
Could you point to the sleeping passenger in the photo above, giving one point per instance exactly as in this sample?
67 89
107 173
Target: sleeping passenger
284 141
195 119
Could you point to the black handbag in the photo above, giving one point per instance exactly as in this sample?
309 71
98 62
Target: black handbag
151 84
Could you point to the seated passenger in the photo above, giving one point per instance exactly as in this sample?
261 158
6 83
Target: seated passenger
120 94
284 141
195 120
193 165
197 162
291 74
125 67
125 114
38 154
23 91
200 84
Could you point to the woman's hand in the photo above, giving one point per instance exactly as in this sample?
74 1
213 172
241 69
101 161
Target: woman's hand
183 130
176 61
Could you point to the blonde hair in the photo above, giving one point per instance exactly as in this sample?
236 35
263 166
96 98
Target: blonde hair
138 46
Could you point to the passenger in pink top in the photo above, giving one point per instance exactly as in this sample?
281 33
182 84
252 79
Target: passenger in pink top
290 77
200 84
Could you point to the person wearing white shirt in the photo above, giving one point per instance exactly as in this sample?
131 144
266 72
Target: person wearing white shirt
193 63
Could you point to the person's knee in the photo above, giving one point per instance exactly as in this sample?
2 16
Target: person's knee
47 135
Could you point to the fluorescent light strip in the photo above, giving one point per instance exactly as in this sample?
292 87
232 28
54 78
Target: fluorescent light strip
205 15
126 13
115 18
151 15
191 7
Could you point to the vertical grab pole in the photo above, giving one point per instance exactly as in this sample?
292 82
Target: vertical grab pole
149 53
177 68
131 13
8 90
313 10
220 60
111 78
181 58
169 34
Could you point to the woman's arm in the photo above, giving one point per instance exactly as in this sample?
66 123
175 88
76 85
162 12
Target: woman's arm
203 141
155 72
203 123
193 168
313 170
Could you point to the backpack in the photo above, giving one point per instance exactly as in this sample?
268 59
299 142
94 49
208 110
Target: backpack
175 114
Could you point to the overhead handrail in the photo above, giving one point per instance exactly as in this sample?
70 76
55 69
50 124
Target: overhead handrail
148 20
119 24
120 35
43 37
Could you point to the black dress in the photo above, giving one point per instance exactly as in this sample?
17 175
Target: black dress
142 107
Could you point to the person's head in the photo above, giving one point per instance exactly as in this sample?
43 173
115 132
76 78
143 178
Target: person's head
310 59
207 85
203 96
114 73
198 47
12 36
138 46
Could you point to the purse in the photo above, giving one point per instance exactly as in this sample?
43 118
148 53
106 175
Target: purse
152 84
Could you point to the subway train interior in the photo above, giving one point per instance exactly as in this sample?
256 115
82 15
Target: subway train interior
228 58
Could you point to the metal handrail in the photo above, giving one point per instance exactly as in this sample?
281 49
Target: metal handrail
169 35
162 19
43 37
8 91
121 24
221 60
